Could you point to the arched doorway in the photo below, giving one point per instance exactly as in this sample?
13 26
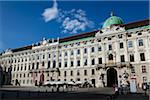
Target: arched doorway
111 77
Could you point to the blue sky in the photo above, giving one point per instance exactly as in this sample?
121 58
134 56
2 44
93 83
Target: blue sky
26 22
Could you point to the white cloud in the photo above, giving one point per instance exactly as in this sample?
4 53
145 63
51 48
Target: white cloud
74 21
71 21
50 13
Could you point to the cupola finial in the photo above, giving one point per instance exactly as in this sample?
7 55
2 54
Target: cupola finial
112 13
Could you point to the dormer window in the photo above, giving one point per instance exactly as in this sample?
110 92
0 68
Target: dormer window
109 38
140 33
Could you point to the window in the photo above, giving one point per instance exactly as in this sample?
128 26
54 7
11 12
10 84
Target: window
93 61
109 38
100 60
14 68
143 69
65 63
71 52
78 72
121 45
93 72
29 67
129 35
65 73
85 50
85 62
141 42
132 69
85 72
110 57
142 56
92 50
20 75
130 44
78 51
65 53
43 63
99 48
110 47
59 64
25 67
122 58
43 56
71 73
32 65
49 64
71 63
24 75
54 64
132 57
78 63
59 73
140 33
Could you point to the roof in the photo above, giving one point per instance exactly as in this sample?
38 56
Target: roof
91 34
78 36
136 24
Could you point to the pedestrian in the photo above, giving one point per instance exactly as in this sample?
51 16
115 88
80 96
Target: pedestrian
116 91
144 87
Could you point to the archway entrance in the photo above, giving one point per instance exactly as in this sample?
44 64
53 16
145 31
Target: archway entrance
111 77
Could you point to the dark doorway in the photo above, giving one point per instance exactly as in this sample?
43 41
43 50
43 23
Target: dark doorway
93 82
111 77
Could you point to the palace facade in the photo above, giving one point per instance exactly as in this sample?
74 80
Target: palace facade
106 56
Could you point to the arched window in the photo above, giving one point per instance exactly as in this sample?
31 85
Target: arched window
110 57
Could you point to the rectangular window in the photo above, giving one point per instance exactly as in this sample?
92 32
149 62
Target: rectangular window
132 69
100 60
143 69
59 64
65 73
130 44
93 61
110 47
78 63
142 56
32 65
65 64
141 42
78 51
71 73
121 45
37 65
132 57
85 50
85 62
85 72
93 72
92 50
122 58
71 52
65 53
49 56
78 72
99 48
71 63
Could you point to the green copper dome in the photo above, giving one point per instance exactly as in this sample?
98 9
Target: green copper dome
112 20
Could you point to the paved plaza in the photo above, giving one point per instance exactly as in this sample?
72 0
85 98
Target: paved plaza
45 93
